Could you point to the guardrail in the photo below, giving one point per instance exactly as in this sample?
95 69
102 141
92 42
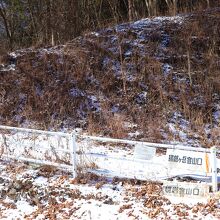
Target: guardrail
211 168
38 142
148 144
177 155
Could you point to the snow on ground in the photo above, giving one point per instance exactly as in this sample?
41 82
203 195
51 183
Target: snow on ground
113 182
28 191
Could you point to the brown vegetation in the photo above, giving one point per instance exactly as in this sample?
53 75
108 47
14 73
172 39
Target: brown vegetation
102 80
51 22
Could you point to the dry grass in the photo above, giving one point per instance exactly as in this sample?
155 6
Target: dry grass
39 91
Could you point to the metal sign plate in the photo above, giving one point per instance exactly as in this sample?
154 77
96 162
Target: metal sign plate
143 152
186 189
188 162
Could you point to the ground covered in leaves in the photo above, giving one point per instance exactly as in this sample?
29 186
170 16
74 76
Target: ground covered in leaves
43 192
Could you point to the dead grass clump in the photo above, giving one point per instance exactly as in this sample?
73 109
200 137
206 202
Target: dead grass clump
108 123
47 171
85 178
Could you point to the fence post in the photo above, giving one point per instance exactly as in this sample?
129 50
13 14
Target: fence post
73 153
214 170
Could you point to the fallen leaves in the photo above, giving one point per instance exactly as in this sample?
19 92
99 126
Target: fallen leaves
47 171
63 197
123 207
98 185
156 201
84 178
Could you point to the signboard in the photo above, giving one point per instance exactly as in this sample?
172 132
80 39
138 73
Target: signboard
143 152
190 162
185 189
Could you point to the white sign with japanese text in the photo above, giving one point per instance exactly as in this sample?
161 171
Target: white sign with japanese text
185 189
190 162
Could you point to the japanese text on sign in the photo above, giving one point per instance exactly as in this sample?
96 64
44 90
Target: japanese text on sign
185 189
188 162
181 190
185 159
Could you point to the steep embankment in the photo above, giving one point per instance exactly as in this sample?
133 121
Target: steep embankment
156 79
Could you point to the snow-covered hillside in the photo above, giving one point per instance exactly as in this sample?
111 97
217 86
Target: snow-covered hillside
153 79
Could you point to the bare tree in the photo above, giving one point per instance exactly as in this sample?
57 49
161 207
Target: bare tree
131 10
29 22
151 7
7 22
172 6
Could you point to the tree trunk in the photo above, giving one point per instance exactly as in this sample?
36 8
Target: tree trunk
131 10
7 26
151 7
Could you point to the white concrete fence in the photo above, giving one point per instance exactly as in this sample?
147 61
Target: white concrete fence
60 149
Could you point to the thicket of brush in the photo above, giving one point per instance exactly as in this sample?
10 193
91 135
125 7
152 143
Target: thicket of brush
54 89
45 22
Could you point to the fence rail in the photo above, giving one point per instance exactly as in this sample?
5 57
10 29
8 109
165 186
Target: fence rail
33 142
148 144
38 146
27 130
212 168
